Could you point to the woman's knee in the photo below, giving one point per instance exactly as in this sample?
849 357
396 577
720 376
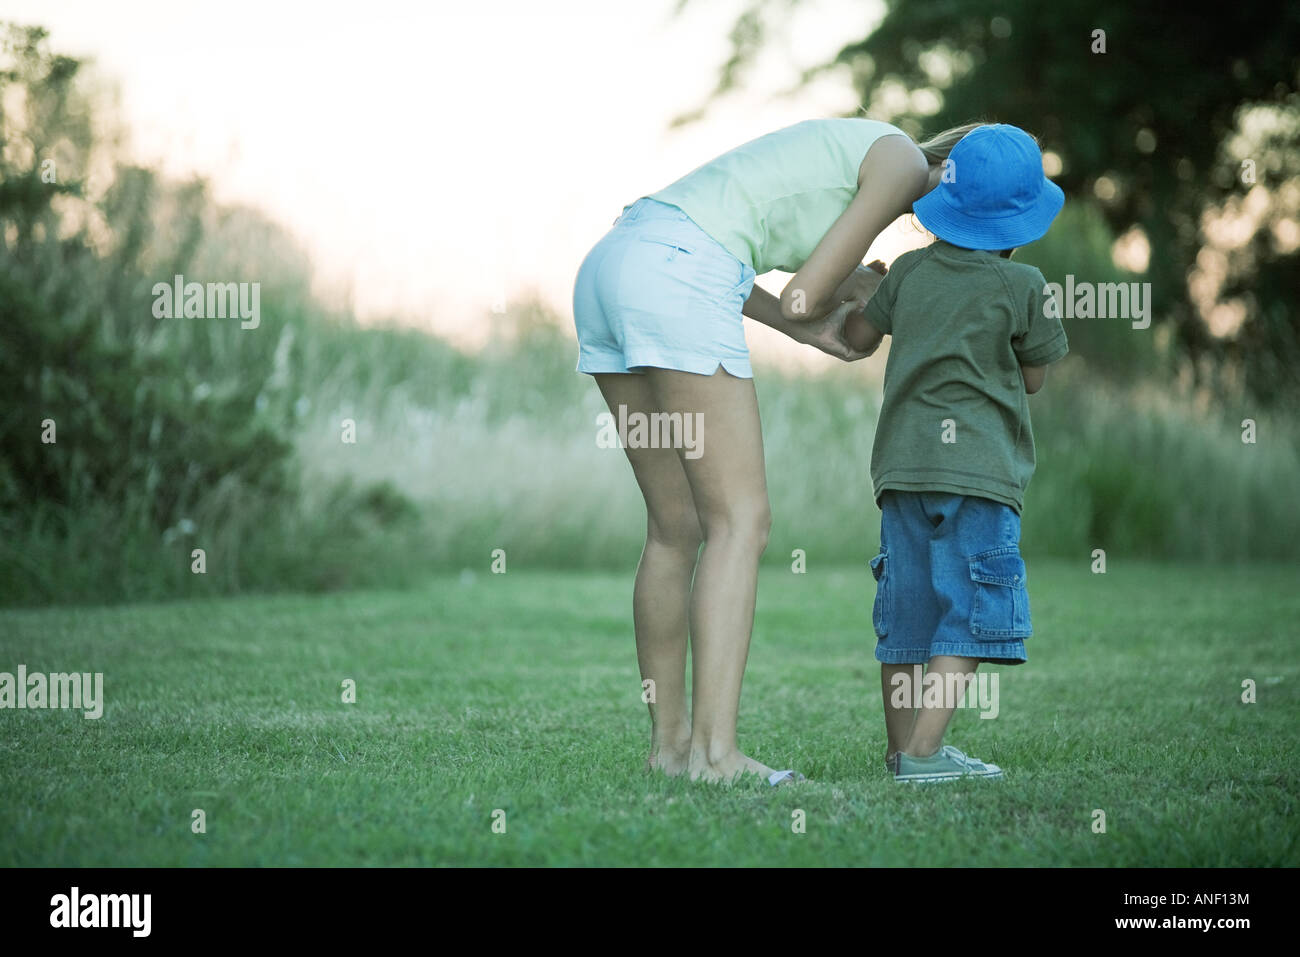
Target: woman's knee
747 522
679 530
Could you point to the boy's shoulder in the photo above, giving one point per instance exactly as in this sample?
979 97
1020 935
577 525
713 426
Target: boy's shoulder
904 263
1020 276
930 263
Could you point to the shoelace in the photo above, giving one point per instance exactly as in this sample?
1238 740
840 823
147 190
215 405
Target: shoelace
959 757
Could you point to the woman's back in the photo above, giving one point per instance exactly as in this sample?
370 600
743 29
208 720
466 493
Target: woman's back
771 200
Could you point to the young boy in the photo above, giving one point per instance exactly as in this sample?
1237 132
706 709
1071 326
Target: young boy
953 450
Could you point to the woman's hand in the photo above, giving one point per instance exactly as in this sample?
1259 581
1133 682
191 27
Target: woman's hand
827 333
862 282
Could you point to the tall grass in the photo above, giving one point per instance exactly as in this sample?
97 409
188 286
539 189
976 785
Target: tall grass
457 455
508 459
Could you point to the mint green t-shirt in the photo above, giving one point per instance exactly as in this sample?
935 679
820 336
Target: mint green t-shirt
771 200
955 416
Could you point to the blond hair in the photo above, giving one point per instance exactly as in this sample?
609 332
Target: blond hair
937 147
936 150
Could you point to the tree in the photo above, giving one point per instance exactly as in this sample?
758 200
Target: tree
100 406
1181 123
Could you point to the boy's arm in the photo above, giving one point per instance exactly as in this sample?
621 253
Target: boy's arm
859 332
1034 376
861 335
864 330
1044 340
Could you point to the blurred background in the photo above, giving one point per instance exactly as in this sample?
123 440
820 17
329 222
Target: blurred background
414 187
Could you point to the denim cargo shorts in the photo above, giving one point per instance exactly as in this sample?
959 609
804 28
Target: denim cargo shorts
949 579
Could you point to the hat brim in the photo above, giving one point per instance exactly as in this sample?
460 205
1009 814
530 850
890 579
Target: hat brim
1004 232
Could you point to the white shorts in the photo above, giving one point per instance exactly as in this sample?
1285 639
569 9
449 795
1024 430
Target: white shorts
659 291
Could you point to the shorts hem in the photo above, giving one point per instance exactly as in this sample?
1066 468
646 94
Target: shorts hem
905 656
1006 652
632 363
595 365
1001 653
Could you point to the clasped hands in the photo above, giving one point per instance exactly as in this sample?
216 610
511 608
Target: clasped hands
827 333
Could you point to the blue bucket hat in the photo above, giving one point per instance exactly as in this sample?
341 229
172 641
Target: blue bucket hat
998 196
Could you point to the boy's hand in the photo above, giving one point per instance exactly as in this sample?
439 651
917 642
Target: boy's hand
827 333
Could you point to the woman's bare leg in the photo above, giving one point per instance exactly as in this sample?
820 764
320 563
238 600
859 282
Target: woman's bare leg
661 596
729 489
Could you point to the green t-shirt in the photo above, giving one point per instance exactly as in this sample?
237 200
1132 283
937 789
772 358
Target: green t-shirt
955 416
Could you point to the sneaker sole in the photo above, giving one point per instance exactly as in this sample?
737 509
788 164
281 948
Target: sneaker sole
942 776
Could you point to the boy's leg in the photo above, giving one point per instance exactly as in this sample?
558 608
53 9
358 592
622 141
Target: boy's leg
905 612
900 715
978 574
963 526
932 722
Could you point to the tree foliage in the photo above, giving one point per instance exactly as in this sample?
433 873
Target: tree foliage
1185 127
99 407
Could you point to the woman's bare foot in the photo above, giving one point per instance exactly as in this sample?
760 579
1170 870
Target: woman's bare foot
726 767
671 759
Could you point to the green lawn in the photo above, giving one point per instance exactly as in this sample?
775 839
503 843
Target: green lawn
520 692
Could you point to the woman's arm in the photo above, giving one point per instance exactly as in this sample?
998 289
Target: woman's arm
762 306
894 175
861 284
826 333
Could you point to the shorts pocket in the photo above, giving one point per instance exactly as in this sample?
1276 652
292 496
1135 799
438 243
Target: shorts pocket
1000 606
674 245
881 611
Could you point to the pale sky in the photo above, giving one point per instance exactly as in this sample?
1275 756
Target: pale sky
433 157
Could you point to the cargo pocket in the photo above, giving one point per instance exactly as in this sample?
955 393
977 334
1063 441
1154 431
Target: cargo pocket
1000 607
881 612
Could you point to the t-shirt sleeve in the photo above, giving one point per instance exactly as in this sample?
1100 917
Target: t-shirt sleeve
1044 339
